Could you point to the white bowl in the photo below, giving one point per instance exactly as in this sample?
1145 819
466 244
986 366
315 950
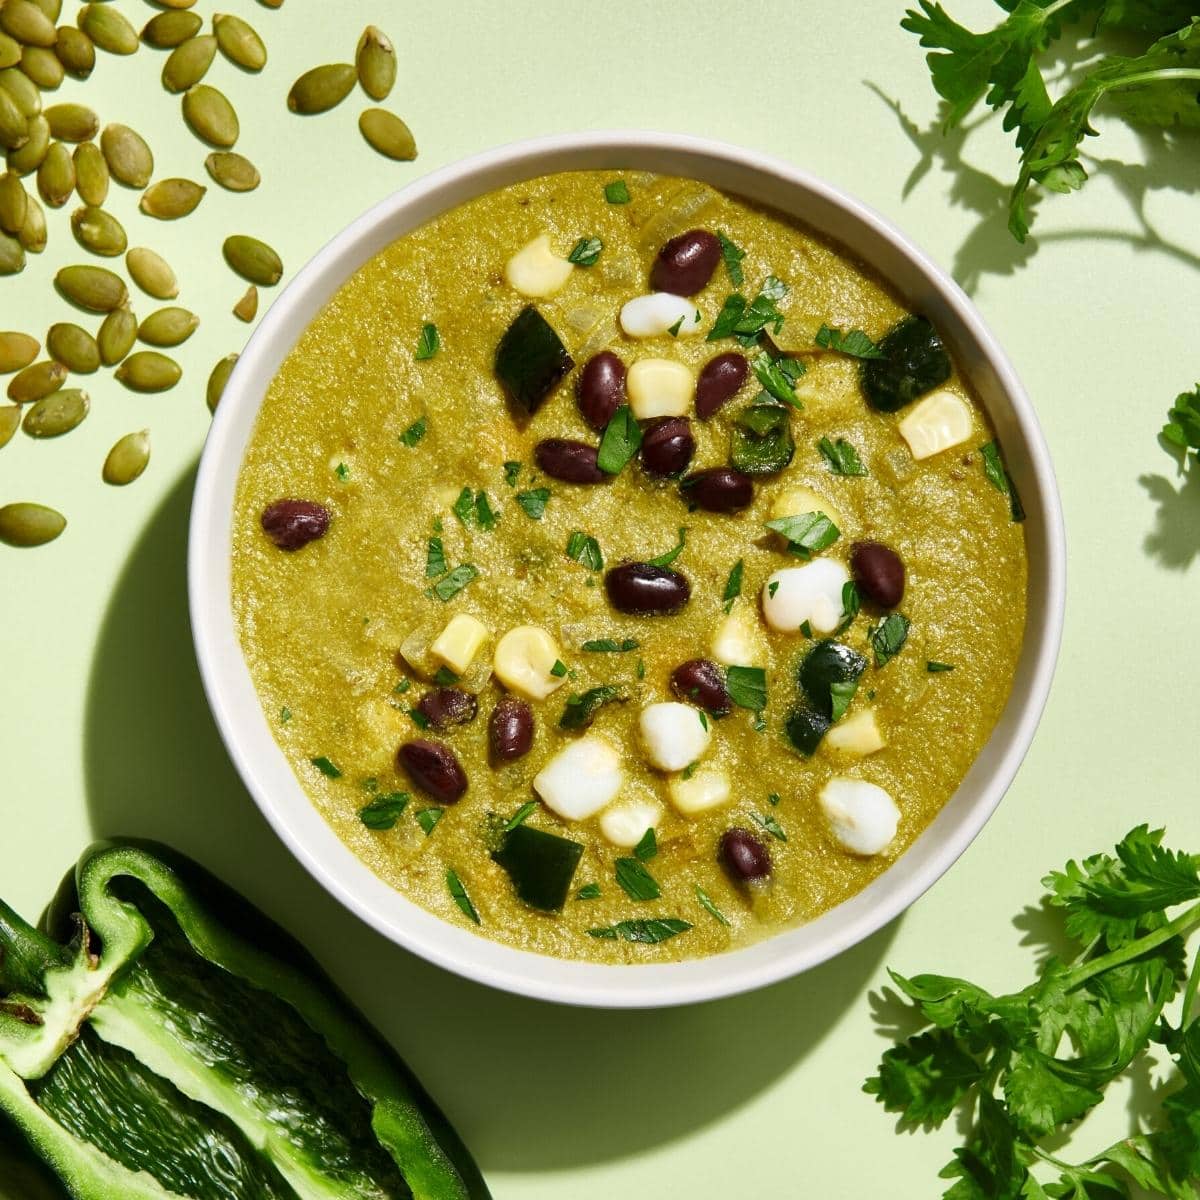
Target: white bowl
262 764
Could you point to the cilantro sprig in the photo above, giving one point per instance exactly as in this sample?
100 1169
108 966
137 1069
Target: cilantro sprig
1023 1067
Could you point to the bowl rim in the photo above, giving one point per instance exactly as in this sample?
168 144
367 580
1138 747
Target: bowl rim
459 950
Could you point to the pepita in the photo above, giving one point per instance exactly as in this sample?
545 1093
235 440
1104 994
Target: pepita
239 42
117 333
10 51
33 233
75 51
218 379
168 327
95 288
41 379
57 414
56 175
271 3
14 124
253 260
170 29
388 134
233 171
322 88
91 174
23 90
210 116
376 63
42 66
246 309
26 524
188 63
12 255
27 23
74 347
171 198
17 351
52 8
175 3
72 122
10 422
98 231
27 159
13 203
152 273
127 154
108 27
127 459
148 371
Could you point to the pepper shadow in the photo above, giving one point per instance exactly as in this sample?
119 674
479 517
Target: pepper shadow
529 1085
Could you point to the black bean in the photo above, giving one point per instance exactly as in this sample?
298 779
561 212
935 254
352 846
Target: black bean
878 573
448 706
719 381
719 489
510 729
433 768
572 462
291 524
668 446
686 263
645 589
701 682
743 855
601 389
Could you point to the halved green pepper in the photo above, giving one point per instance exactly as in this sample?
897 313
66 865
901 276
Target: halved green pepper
161 1039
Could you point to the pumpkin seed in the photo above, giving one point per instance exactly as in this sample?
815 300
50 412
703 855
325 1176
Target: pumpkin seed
152 273
95 288
376 63
13 203
128 157
108 27
169 199
233 171
10 422
168 327
127 459
25 524
210 116
23 90
246 309
33 233
170 29
239 42
14 124
42 67
52 8
34 382
12 255
253 260
75 51
271 3
10 51
218 379
91 174
188 63
118 332
72 122
29 157
17 350
388 134
74 347
98 231
174 3
27 23
56 175
322 88
57 414
148 371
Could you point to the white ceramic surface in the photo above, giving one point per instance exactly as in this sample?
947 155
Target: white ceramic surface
262 764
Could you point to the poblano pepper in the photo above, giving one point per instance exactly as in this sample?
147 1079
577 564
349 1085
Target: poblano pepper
161 1039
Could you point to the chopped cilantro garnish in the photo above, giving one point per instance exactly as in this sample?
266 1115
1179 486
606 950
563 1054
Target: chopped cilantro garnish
589 891
888 637
747 687
559 669
520 816
851 606
418 718
581 710
621 440
534 502
665 560
841 456
733 585
427 818
616 192
778 376
384 811
854 343
647 931
709 907
585 549
414 433
647 848
511 471
771 825
454 583
444 677
609 646
285 714
464 506
674 330
428 343
726 323
435 558
401 687
635 881
485 518
342 472
773 799
806 533
459 893
328 769
585 252
732 255
998 477
936 668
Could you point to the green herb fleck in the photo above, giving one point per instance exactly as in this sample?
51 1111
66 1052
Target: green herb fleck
733 585
581 710
559 669
732 255
709 907
854 343
435 558
841 456
414 433
771 825
444 677
621 441
640 670
616 192
851 606
806 533
446 589
647 848
589 891
690 769
936 668
635 881
418 718
456 889
485 518
609 646
647 931
585 252
534 502
993 468
384 811
285 714
401 687
511 471
428 343
665 560
747 687
520 816
773 799
427 818
327 768
583 548
342 472
888 637
778 377
464 507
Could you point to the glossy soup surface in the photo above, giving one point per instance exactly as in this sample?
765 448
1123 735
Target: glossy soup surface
322 627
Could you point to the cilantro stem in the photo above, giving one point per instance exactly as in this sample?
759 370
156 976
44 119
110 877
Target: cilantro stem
1189 994
1182 925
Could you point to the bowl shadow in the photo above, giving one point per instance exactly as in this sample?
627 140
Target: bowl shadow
530 1085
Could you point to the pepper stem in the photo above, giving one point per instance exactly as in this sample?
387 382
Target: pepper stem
25 955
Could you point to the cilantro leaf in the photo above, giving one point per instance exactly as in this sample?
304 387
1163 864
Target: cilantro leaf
732 255
620 442
534 502
414 433
925 1078
841 456
667 558
428 343
1183 421
855 343
585 252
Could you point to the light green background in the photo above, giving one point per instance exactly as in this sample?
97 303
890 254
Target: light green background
104 729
